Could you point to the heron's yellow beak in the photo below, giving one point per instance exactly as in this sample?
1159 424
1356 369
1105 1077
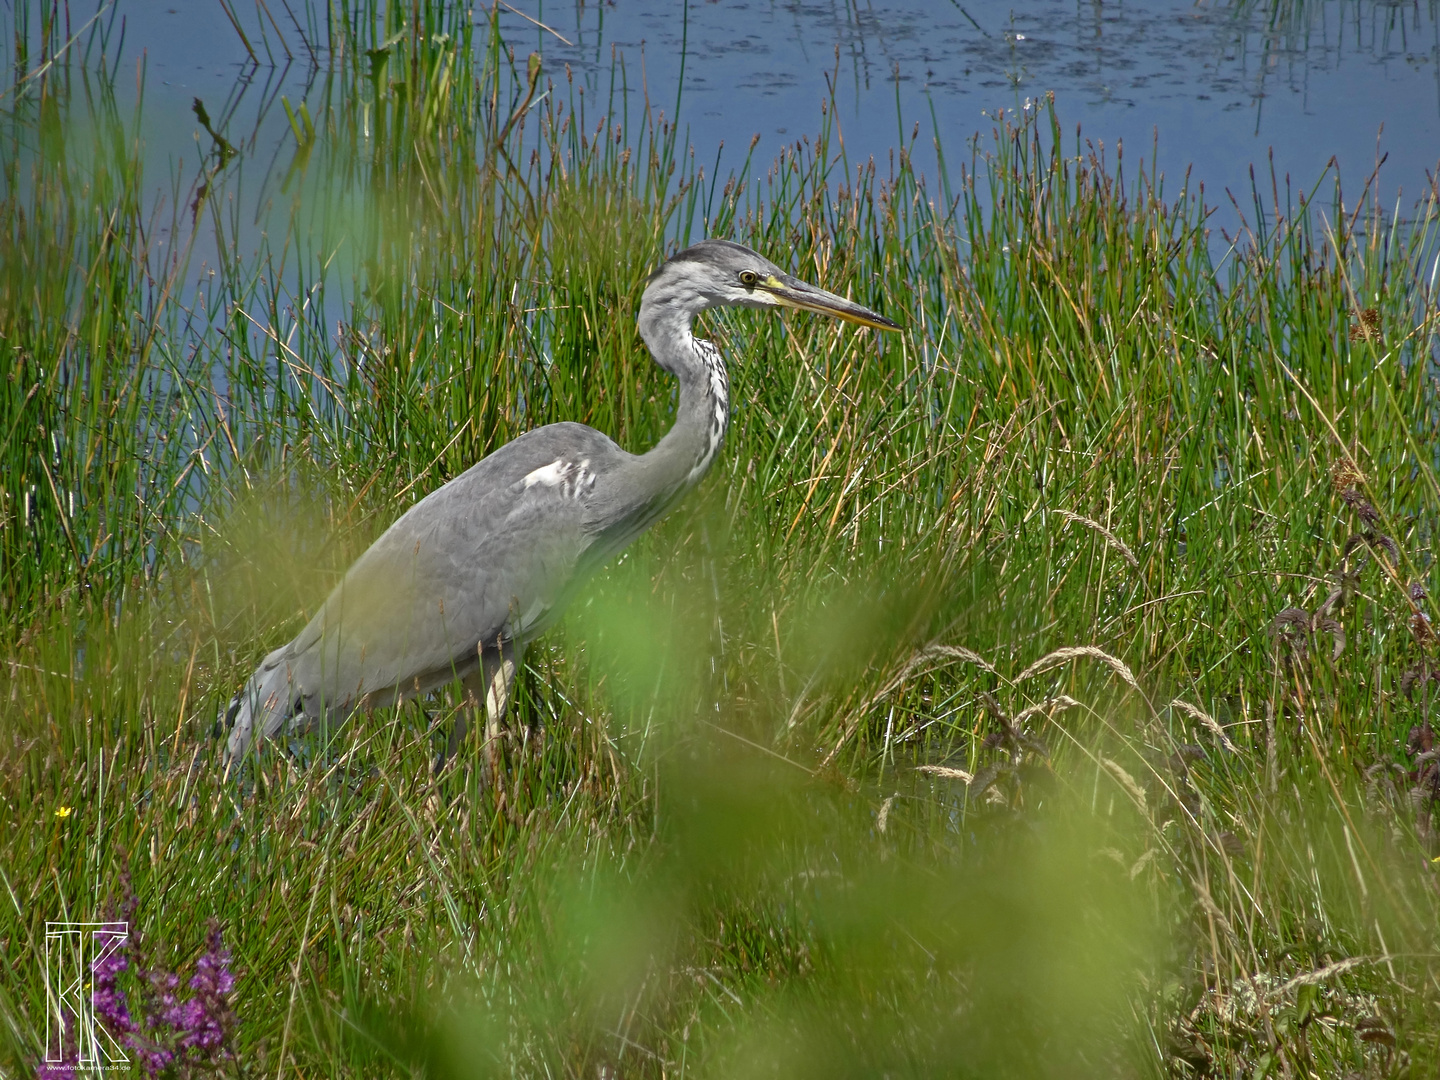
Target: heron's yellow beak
793 293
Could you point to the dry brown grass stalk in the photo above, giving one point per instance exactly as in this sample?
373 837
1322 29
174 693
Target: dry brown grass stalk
1208 721
945 772
1048 706
1110 538
1324 974
883 820
927 659
1136 792
1073 652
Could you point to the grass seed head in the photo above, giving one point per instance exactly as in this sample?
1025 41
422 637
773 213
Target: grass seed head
1345 475
1366 326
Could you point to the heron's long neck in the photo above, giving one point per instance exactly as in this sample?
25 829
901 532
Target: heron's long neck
681 458
704 413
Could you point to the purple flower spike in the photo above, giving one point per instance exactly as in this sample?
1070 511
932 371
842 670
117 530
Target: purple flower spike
165 1037
110 1005
208 1021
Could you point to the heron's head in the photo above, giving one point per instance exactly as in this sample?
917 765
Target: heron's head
718 273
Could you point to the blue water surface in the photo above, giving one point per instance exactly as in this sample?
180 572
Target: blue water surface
1213 89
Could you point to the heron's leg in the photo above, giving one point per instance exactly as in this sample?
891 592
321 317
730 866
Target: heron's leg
490 684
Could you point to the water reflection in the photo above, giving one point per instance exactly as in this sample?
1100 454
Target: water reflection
1209 87
1222 83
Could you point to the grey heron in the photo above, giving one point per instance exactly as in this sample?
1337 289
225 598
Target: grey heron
461 581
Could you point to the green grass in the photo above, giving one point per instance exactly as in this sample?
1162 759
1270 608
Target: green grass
718 843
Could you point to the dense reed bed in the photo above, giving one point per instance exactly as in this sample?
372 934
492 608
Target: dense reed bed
1043 692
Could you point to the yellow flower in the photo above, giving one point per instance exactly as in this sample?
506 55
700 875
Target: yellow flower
64 811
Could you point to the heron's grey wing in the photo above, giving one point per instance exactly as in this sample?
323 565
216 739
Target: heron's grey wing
489 556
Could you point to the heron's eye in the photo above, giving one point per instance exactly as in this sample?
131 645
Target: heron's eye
748 278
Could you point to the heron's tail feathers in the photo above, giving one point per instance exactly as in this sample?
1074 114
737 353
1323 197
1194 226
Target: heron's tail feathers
261 709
